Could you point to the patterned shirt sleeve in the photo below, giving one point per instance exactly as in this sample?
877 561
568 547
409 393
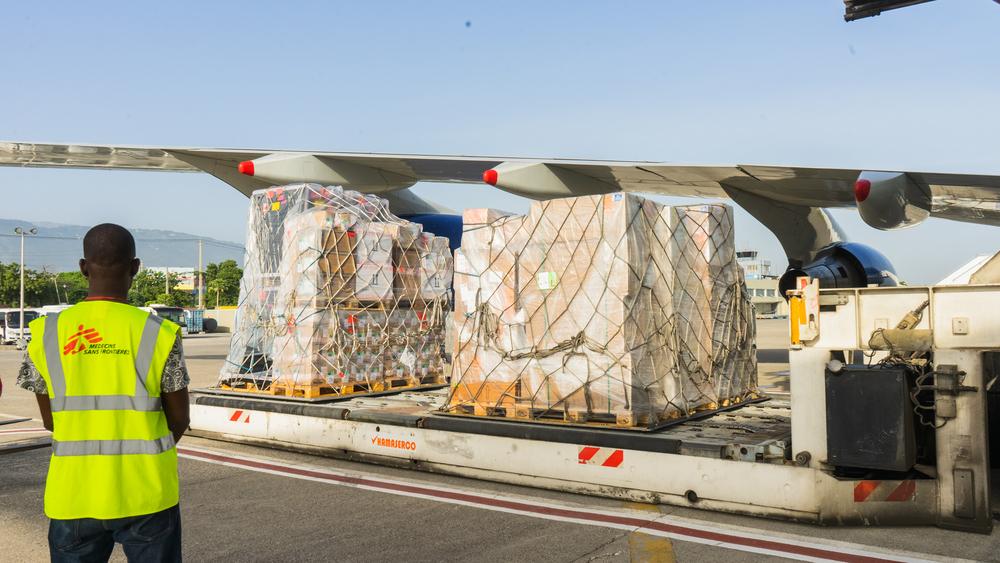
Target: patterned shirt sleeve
29 378
175 372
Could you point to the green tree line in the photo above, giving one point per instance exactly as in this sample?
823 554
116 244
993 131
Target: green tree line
222 284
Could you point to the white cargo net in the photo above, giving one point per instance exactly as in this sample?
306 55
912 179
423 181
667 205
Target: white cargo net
339 296
606 309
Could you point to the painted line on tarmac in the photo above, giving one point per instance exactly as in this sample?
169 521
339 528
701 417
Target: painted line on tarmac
5 415
9 421
23 431
729 537
647 547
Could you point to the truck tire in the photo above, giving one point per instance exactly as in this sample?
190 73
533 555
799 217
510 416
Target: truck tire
210 325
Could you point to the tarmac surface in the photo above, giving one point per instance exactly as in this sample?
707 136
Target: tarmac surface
235 513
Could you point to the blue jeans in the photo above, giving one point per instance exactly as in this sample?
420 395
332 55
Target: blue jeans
149 538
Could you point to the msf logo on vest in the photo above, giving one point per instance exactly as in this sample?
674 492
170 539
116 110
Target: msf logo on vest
89 341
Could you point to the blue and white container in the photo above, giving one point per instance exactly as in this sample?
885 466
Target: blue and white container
194 320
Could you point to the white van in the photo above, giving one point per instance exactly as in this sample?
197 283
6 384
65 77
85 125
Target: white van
46 309
10 324
175 314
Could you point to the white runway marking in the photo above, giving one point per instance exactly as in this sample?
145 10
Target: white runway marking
23 431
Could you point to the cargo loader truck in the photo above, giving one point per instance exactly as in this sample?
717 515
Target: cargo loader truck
892 395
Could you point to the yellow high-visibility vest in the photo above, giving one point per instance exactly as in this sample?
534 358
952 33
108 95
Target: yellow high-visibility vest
112 453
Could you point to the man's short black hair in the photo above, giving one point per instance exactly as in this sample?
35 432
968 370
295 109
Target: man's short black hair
109 245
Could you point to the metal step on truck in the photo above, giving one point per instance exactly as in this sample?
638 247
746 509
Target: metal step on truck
892 396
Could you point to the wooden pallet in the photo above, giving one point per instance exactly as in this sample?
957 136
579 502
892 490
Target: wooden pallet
524 412
622 419
317 390
245 387
359 388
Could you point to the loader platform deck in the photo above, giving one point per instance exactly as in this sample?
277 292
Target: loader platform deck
760 431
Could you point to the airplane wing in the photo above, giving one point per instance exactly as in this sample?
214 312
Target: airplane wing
787 199
858 9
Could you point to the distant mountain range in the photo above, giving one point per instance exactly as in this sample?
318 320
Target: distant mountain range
58 247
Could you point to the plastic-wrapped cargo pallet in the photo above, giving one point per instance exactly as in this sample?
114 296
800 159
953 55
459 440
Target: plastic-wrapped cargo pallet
339 296
604 309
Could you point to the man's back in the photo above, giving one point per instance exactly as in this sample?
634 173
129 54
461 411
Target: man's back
111 385
113 454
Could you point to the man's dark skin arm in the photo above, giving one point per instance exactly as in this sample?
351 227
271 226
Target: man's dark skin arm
177 407
45 409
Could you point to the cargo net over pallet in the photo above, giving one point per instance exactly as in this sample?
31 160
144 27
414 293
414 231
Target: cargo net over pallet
339 296
601 310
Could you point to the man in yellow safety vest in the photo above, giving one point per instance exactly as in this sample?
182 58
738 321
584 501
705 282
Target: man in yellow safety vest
111 385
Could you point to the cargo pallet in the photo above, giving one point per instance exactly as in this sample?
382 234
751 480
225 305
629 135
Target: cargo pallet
770 459
519 412
321 391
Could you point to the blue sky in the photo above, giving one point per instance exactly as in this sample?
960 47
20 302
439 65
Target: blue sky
782 82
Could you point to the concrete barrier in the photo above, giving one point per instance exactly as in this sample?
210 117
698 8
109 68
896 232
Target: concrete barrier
225 317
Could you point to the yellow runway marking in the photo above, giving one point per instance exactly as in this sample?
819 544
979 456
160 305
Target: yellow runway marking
647 548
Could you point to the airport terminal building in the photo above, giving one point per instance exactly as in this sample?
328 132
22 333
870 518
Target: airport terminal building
762 285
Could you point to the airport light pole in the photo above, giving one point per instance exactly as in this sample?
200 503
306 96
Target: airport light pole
23 233
201 288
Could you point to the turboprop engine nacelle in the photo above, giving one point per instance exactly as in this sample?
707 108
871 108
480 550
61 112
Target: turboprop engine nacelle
538 180
891 200
290 168
844 264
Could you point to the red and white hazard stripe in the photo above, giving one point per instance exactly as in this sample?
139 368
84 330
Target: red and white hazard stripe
683 529
240 416
605 457
885 491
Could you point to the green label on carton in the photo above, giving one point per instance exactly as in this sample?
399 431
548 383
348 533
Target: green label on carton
547 280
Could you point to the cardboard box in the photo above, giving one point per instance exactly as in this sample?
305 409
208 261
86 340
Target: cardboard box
374 244
404 234
406 282
373 282
435 274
